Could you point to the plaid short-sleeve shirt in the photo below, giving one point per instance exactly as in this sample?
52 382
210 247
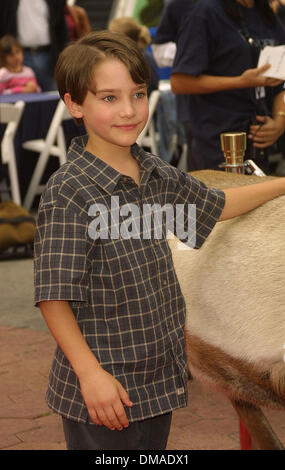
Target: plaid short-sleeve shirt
122 289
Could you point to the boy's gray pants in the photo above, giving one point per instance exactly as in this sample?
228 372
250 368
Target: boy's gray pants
149 434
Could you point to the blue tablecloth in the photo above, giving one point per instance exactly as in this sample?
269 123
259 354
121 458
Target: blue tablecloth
30 97
34 124
36 118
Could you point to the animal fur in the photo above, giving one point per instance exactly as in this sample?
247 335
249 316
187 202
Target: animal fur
234 289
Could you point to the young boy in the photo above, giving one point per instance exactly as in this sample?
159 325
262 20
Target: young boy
109 294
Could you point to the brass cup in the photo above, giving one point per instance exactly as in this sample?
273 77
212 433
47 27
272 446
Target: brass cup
234 147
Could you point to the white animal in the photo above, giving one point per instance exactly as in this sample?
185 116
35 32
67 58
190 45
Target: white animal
234 288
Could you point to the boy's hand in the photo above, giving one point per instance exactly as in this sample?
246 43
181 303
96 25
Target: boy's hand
104 397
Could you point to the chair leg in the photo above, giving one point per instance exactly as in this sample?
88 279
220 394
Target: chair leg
245 439
14 182
258 427
35 181
61 145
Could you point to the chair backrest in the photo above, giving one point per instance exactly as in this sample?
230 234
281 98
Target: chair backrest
10 114
61 113
153 101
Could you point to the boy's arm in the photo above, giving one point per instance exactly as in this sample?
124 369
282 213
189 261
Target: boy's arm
102 393
245 198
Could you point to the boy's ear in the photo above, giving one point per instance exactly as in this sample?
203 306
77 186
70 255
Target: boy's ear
73 108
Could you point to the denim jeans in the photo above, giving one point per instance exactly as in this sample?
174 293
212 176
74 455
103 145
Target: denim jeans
149 434
167 124
40 63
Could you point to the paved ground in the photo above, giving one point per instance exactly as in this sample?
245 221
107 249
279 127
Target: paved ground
26 350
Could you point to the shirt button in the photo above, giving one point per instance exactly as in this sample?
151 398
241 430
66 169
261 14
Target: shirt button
124 179
164 282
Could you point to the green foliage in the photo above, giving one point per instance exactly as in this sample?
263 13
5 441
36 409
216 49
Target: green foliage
150 14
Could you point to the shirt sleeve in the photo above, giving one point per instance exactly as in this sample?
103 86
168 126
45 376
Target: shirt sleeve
193 46
166 30
197 209
60 261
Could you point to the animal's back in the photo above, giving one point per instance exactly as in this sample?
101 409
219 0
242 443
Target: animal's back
235 296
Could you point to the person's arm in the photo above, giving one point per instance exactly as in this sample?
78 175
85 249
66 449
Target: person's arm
103 394
31 86
202 84
4 82
80 19
245 198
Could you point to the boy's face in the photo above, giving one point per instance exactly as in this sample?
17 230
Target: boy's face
115 111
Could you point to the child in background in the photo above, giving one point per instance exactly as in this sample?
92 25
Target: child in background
14 76
140 34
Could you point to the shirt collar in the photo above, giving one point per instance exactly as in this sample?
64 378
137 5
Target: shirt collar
102 173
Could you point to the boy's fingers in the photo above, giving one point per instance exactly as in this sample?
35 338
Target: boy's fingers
121 414
124 396
105 420
113 419
94 417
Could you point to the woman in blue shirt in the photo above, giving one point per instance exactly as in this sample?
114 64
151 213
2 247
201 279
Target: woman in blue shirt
215 63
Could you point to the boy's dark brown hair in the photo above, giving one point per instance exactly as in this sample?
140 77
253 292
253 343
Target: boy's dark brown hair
7 42
74 70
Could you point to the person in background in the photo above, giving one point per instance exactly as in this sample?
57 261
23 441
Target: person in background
14 76
40 27
165 38
140 34
278 6
164 46
216 65
77 21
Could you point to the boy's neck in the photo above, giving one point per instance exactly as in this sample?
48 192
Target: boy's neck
116 157
119 158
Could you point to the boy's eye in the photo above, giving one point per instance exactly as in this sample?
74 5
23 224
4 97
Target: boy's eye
140 94
109 98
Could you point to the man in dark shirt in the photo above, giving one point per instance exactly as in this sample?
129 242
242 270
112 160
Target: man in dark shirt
41 58
217 47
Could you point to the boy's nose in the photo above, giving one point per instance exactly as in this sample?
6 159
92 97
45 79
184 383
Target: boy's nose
127 109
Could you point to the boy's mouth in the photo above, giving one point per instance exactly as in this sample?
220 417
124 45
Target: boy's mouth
126 127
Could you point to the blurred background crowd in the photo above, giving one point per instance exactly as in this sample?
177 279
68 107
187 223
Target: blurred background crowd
203 57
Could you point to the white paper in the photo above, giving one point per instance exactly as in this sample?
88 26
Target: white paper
275 56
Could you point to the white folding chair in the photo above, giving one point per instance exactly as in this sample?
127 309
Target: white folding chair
10 114
53 144
148 137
